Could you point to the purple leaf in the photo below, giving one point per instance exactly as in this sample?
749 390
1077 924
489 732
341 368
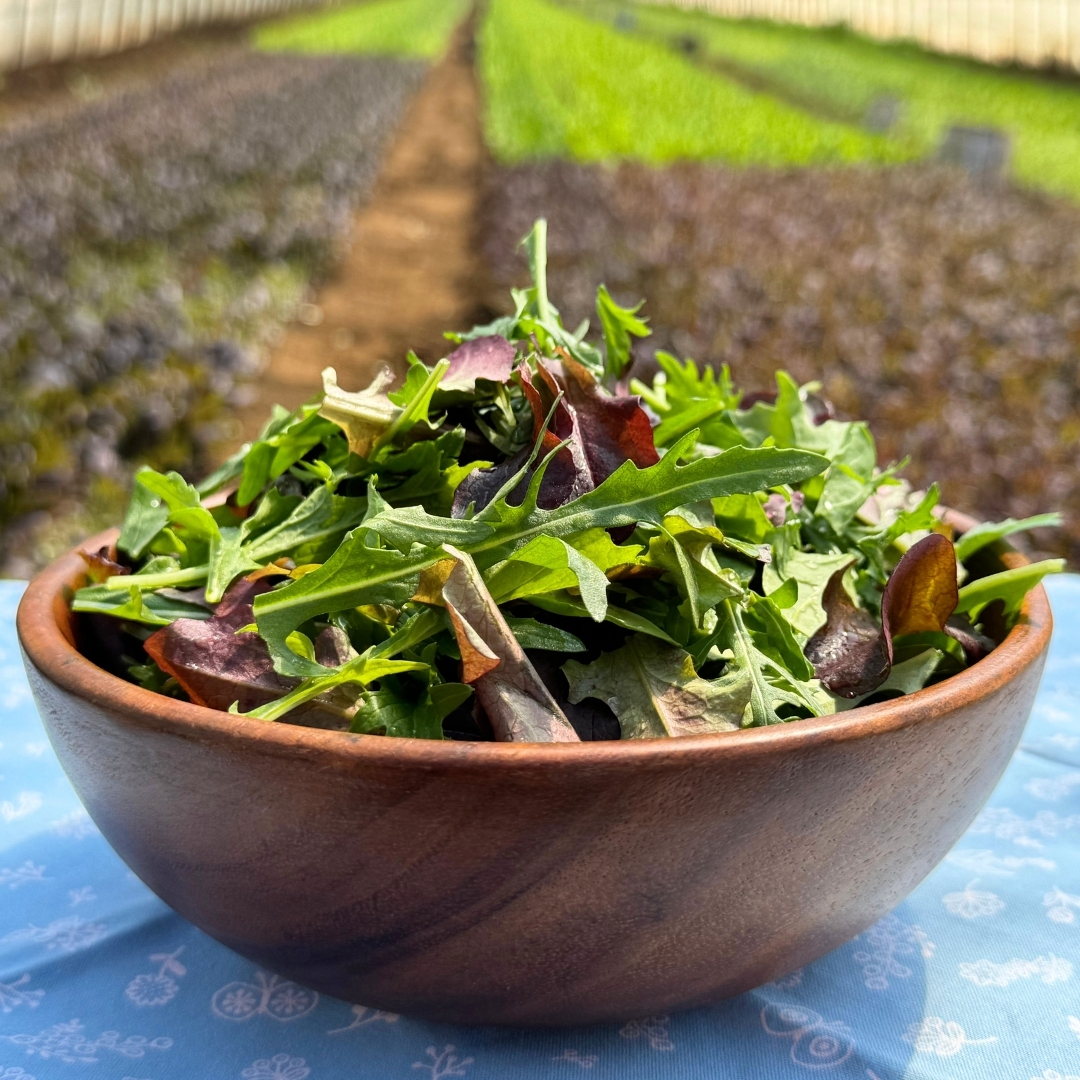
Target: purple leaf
482 358
216 666
513 696
849 653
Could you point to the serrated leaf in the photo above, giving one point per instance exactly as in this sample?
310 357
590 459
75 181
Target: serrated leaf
770 685
618 324
547 564
655 692
812 573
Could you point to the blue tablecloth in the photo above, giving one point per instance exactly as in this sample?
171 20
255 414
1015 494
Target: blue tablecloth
976 975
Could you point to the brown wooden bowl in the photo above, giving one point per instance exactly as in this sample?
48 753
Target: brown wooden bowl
528 884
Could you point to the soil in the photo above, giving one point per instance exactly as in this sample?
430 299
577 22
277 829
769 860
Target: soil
412 270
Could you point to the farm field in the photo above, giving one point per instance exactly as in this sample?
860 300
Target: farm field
944 312
153 245
559 83
179 250
414 28
836 73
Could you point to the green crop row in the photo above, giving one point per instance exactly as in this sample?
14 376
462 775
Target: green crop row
410 28
561 84
842 74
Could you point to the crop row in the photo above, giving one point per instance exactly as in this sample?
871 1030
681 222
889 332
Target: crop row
559 83
914 95
418 28
151 243
945 312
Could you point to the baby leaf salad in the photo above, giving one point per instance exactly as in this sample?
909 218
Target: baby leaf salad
512 545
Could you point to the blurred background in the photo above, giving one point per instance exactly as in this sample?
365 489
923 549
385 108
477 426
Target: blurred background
205 202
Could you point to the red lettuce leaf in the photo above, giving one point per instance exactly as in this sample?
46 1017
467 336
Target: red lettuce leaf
513 696
102 565
852 655
849 652
482 358
605 431
922 592
216 666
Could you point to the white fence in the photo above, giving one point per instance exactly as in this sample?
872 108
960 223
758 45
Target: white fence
1026 31
34 31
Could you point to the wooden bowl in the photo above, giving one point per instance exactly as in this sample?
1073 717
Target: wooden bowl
528 884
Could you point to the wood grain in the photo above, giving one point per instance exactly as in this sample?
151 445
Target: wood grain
528 884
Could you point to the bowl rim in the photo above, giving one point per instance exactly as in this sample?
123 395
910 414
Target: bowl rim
47 640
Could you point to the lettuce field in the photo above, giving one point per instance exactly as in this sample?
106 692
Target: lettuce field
775 191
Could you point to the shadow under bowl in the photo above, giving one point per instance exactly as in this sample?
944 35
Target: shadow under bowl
528 884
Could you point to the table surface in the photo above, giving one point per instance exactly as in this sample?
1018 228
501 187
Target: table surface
976 974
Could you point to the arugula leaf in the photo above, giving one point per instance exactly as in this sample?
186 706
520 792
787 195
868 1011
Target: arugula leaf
619 324
987 532
532 634
655 692
561 603
850 478
147 514
812 573
548 564
768 684
1009 586
133 605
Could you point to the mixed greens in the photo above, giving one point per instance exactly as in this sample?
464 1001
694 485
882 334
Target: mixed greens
513 546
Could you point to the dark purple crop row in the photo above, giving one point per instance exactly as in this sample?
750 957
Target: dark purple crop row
141 243
943 311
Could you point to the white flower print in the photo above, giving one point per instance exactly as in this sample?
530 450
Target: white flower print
22 875
985 863
12 995
789 981
68 934
85 895
1053 1074
159 987
267 995
363 1016
75 826
13 1072
816 1043
573 1057
27 803
653 1028
443 1063
1006 824
972 903
279 1067
888 939
1059 906
1052 789
1074 1025
932 1035
1050 969
69 1043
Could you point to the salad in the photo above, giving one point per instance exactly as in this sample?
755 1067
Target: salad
519 545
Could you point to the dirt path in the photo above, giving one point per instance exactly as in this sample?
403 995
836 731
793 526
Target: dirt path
412 270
